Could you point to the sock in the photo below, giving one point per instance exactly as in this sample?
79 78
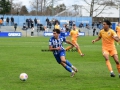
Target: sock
68 63
68 48
118 67
79 51
68 68
109 66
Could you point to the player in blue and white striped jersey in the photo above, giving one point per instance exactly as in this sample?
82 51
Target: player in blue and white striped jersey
55 45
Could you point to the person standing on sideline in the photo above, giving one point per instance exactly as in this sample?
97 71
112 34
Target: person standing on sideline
47 22
1 22
57 26
108 36
12 21
55 45
63 31
74 35
118 31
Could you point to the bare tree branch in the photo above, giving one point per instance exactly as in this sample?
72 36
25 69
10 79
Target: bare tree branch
101 11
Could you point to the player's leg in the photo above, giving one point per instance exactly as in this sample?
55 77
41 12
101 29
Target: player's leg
65 63
78 49
117 63
115 56
62 62
67 67
106 56
70 47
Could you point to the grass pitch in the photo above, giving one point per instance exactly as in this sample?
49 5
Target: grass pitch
24 54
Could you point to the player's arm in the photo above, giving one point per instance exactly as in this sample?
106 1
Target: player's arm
69 37
77 34
115 37
97 39
67 41
52 49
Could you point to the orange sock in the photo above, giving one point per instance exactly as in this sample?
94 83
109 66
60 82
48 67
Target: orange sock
109 65
79 51
118 67
68 48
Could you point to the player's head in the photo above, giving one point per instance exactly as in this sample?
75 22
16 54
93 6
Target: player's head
56 33
106 24
74 26
57 23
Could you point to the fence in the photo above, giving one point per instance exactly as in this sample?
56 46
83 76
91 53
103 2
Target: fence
22 19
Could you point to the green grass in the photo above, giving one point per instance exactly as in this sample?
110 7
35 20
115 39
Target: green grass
19 55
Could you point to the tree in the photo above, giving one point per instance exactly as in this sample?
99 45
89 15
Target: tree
33 12
92 3
23 10
11 9
17 7
5 7
59 8
41 6
108 2
36 5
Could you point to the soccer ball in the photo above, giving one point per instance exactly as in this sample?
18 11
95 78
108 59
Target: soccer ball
23 76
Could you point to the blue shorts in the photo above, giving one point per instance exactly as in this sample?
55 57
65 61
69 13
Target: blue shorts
57 56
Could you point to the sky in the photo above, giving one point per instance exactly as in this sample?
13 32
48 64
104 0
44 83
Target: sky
66 2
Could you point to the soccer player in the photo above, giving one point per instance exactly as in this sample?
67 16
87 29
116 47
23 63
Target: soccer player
55 45
118 31
74 35
108 36
63 30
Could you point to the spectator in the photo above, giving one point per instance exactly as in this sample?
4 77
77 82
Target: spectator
1 21
47 21
87 26
7 21
32 27
35 21
80 25
12 21
94 31
50 24
63 31
24 27
57 26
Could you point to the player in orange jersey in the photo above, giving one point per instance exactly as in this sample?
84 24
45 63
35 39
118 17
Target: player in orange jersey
118 31
108 36
74 35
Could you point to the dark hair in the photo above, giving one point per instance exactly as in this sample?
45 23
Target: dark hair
74 25
57 31
107 22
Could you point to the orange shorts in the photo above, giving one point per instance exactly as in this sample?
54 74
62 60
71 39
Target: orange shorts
111 52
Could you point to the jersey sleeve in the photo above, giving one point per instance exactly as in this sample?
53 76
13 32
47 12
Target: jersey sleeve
50 42
70 33
99 35
77 32
64 39
114 33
